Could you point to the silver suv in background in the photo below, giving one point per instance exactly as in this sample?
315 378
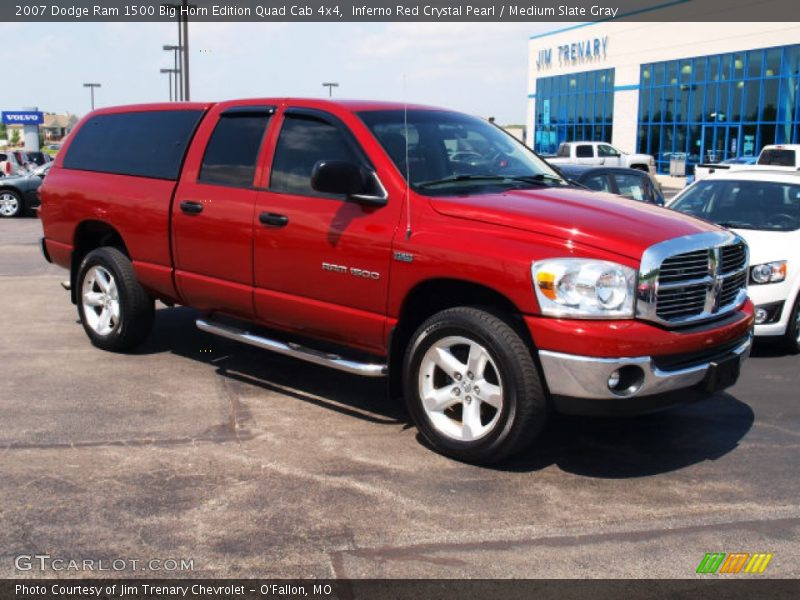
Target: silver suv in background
9 165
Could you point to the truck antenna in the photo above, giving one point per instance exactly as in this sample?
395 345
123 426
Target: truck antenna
408 173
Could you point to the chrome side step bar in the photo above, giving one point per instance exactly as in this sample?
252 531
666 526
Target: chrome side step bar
333 361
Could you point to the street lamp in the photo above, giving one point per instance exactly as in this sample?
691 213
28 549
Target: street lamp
181 11
330 86
178 79
91 87
170 71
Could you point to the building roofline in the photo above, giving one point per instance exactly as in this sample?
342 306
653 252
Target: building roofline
628 14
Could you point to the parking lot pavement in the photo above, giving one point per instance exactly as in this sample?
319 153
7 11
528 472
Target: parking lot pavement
255 465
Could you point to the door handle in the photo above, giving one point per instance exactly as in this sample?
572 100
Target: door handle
190 207
273 219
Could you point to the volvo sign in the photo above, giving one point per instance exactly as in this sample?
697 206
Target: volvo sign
30 118
22 117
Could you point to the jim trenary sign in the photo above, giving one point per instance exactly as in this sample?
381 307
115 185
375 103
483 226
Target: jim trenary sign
574 53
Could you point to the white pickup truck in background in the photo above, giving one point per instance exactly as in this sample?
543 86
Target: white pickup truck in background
600 153
778 157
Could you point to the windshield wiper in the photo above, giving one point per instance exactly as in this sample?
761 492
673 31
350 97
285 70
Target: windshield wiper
538 179
736 225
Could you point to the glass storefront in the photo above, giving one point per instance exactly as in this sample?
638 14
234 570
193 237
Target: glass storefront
573 107
712 108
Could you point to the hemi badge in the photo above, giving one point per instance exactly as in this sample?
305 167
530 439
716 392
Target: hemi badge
404 257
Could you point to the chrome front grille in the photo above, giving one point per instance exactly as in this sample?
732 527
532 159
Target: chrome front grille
733 257
731 286
683 301
692 278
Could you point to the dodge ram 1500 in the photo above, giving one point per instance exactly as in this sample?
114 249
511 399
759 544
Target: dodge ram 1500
352 235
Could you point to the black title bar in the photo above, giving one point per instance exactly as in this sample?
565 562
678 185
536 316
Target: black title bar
709 587
334 11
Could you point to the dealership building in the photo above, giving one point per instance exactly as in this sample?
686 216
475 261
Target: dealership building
699 91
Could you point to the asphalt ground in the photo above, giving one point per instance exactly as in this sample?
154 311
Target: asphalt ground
255 465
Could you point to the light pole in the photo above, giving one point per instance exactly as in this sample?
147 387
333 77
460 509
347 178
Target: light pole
330 86
178 85
185 69
170 71
91 87
182 10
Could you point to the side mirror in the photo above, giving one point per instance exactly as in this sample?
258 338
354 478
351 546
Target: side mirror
350 179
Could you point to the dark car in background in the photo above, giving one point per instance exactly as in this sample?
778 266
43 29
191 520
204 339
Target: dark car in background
628 183
20 193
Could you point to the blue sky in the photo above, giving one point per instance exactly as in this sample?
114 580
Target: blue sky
479 68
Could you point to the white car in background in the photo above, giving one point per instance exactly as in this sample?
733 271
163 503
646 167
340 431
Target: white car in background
777 157
764 208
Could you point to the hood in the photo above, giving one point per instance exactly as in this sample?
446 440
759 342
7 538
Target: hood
625 227
768 246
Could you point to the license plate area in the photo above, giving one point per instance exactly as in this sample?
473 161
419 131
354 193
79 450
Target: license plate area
722 374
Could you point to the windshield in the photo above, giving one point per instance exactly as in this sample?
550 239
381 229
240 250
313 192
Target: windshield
453 153
764 205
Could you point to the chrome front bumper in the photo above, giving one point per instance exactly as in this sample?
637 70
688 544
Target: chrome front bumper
586 377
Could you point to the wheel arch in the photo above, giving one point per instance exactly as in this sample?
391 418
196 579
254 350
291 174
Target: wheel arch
434 295
91 234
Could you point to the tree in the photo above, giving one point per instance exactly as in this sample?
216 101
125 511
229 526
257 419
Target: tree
3 132
14 140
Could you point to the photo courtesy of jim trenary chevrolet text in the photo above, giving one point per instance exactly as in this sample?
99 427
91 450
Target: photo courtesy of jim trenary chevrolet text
434 299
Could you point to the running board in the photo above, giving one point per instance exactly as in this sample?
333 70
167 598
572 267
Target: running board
333 361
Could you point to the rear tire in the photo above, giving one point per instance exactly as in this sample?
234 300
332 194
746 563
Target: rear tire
116 312
791 339
472 387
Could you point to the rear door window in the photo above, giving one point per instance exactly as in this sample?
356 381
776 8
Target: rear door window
232 151
141 144
584 151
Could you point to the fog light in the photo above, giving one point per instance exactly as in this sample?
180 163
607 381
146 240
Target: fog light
613 380
761 315
626 380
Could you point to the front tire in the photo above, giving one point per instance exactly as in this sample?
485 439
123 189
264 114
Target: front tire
791 339
116 312
472 387
11 204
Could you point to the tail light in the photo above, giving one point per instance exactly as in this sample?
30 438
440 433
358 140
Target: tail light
8 167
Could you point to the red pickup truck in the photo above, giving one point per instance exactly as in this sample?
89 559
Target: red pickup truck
403 241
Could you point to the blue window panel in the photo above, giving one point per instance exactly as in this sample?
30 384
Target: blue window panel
580 106
721 105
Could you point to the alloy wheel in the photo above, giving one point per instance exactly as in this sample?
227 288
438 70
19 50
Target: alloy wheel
460 388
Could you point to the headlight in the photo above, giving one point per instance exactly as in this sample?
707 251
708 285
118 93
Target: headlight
771 272
584 289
